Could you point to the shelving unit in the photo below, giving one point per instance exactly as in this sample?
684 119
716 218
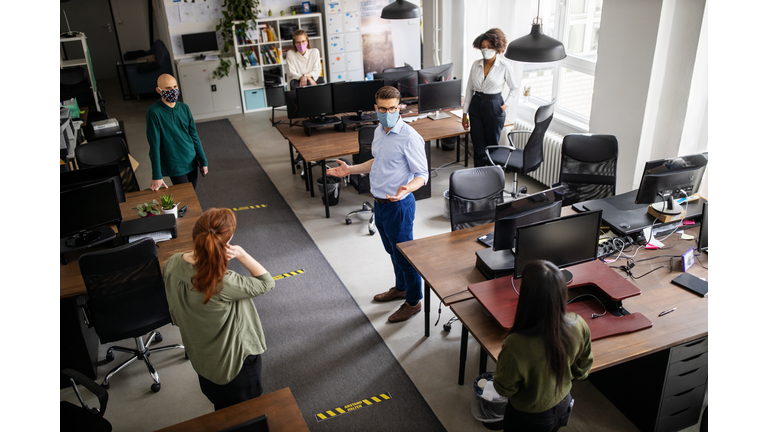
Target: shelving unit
66 62
251 78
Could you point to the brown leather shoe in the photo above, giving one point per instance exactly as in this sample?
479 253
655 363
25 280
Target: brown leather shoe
392 294
406 311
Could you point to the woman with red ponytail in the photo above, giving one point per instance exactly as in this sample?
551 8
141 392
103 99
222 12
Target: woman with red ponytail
214 310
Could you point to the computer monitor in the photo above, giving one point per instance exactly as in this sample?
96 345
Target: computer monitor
533 208
315 101
439 95
405 81
665 180
406 67
564 241
199 42
436 73
85 208
85 176
356 96
703 245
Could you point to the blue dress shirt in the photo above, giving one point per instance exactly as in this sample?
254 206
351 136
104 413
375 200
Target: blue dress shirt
398 157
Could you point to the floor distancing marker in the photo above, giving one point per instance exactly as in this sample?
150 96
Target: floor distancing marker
351 407
287 275
249 207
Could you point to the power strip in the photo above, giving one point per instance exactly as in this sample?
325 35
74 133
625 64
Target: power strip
614 245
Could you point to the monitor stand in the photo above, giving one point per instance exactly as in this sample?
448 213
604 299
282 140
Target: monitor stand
495 264
439 115
86 239
668 206
317 122
360 117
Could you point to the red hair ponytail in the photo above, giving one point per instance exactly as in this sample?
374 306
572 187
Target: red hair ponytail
210 236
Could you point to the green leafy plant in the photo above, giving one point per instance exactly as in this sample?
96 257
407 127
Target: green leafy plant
234 10
527 91
150 208
167 202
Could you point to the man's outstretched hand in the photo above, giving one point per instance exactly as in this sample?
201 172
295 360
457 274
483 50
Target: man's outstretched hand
402 191
340 171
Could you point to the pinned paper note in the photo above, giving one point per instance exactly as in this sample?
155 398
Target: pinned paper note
686 237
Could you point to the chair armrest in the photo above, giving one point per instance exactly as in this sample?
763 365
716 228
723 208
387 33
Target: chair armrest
509 135
510 149
99 391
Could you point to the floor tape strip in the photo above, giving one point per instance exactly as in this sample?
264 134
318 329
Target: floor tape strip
353 406
287 275
257 206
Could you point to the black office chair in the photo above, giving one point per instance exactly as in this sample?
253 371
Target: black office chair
473 194
126 299
108 151
511 159
588 167
362 182
84 418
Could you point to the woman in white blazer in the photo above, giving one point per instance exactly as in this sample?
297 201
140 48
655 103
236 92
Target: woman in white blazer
304 67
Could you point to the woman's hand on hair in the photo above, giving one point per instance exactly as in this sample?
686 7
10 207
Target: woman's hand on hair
234 251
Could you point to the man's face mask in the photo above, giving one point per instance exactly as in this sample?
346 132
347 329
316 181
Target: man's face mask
171 95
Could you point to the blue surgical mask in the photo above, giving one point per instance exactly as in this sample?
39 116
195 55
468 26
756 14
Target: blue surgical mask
388 120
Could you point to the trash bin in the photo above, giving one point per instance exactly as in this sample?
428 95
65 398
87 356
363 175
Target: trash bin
489 412
332 193
448 144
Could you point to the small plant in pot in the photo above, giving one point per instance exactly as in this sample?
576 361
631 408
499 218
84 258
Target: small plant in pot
169 206
148 209
526 93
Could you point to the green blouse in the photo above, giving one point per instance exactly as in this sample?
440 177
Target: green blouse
220 334
522 374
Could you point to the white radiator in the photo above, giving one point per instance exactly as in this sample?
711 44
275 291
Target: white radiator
549 170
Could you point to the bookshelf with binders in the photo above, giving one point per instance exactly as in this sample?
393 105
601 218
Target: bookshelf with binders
264 47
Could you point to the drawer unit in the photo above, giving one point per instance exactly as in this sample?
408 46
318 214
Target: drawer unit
663 391
254 99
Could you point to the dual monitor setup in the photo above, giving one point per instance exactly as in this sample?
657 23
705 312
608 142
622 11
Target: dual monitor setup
531 228
433 87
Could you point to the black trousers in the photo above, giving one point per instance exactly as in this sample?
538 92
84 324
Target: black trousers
486 119
548 421
245 386
186 178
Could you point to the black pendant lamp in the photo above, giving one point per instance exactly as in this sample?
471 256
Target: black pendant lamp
400 9
536 47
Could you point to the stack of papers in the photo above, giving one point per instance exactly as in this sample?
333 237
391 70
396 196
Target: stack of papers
157 236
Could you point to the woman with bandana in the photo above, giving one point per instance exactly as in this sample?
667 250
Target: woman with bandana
482 100
175 150
304 67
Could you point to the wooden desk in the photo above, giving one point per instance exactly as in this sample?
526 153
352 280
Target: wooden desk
282 412
80 344
326 143
71 283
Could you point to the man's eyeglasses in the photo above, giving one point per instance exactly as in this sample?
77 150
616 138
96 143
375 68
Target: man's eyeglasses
390 110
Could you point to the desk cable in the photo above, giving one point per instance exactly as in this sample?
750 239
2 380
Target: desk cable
594 315
440 310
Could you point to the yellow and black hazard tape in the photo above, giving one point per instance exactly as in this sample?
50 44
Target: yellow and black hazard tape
248 207
351 407
287 275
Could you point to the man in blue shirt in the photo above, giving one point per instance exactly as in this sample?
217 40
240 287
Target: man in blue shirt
399 167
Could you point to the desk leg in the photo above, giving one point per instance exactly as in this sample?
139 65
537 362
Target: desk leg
466 150
427 301
310 181
458 149
463 352
483 361
293 160
325 191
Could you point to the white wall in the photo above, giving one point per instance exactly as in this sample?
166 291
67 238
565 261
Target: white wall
132 24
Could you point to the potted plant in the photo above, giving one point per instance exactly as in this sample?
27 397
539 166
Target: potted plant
148 209
526 93
234 10
169 206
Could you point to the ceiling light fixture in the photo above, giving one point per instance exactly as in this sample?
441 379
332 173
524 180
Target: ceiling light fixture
400 9
535 47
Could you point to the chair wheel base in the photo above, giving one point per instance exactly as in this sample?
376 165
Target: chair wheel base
158 338
155 387
105 386
371 232
348 221
110 356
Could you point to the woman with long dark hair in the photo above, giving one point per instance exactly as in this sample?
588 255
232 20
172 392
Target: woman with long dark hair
214 310
545 350
483 100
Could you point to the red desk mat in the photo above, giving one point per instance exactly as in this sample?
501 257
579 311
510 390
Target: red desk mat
500 300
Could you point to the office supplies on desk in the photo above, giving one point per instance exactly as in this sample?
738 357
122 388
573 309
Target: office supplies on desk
103 125
693 284
667 311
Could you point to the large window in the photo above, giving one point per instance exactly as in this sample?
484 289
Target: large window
576 23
